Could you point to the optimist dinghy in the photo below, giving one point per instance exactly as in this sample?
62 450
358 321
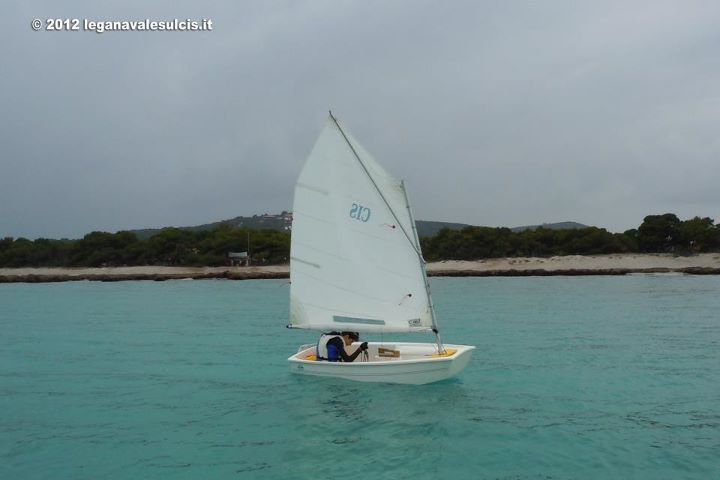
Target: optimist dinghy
356 265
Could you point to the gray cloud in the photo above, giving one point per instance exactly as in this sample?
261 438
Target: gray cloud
495 113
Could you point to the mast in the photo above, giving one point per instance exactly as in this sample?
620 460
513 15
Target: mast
441 348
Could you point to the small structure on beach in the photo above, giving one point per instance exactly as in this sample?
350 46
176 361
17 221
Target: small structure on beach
239 259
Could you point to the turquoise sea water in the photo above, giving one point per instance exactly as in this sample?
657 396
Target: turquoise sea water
573 377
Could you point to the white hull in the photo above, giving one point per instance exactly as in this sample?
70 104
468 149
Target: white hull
415 365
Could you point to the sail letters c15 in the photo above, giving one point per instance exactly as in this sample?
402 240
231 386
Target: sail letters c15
359 212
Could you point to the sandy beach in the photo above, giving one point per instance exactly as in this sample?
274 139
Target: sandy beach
614 264
617 264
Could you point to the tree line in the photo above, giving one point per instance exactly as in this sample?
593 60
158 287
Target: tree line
177 247
169 247
657 234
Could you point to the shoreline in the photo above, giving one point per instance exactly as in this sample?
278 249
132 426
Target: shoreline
612 264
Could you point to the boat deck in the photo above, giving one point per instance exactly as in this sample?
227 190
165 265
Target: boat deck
384 352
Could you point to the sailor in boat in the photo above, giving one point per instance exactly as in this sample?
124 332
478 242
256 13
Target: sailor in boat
331 346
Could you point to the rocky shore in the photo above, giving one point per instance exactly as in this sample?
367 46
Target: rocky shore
703 264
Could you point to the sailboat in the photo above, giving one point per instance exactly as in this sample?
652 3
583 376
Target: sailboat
356 265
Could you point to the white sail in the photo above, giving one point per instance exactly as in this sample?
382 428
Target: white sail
355 262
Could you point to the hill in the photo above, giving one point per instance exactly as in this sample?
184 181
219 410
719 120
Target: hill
552 226
283 222
266 221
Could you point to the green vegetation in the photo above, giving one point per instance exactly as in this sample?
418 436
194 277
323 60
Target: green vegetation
170 246
657 234
181 247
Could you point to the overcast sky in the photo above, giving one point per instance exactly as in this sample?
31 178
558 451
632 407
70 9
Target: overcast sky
499 113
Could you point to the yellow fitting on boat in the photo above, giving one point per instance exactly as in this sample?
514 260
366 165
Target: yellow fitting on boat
311 357
449 352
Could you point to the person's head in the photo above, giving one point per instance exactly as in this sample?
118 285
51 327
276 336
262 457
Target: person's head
350 337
